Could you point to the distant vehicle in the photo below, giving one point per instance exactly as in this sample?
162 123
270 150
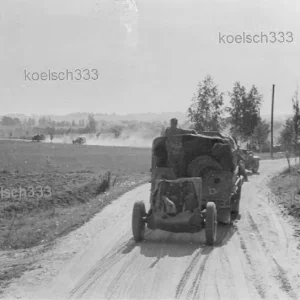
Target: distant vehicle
38 138
251 161
79 140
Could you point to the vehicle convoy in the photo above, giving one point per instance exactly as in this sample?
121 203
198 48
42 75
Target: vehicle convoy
79 140
251 161
38 138
195 183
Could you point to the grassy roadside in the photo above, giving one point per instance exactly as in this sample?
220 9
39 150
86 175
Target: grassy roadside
44 227
60 183
32 222
285 191
266 155
80 187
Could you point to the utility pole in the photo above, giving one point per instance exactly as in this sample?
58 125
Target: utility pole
272 116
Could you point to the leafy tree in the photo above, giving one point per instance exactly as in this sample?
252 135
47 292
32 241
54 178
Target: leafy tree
43 122
206 109
236 100
251 111
92 124
8 121
81 123
116 130
244 111
296 121
287 138
261 133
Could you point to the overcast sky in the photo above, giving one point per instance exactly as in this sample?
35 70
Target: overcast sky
150 54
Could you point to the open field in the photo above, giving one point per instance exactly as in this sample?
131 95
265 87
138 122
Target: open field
43 185
27 157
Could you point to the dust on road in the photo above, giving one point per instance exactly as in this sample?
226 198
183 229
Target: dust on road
256 258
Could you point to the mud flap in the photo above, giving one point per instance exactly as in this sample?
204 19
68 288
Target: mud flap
224 216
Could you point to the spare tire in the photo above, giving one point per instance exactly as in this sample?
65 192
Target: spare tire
201 164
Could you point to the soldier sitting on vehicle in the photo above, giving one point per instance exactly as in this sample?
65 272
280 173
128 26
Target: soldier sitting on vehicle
174 148
173 129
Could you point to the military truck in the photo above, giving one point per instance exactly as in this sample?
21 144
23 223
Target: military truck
195 184
79 140
251 161
38 138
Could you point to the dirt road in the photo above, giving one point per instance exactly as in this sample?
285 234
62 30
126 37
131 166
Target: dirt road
257 258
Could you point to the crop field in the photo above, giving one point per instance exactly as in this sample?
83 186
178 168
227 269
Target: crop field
49 189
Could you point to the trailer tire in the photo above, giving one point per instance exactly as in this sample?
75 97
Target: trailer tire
138 223
211 224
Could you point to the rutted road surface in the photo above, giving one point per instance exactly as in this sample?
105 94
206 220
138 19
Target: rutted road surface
257 258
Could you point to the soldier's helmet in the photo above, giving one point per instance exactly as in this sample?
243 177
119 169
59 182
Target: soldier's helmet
174 121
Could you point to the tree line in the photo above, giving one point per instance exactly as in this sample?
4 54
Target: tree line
289 136
41 122
208 112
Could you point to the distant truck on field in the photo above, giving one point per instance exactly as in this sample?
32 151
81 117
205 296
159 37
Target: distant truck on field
79 140
38 138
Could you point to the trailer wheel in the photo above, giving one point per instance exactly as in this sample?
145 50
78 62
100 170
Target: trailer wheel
211 224
138 224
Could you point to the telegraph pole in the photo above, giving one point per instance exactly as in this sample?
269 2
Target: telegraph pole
272 116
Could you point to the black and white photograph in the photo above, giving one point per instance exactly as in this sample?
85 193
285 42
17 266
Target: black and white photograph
150 149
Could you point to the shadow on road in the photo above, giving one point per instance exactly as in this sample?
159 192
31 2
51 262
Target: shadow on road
225 233
158 243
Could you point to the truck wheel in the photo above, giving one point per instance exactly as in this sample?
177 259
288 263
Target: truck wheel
255 169
138 224
211 224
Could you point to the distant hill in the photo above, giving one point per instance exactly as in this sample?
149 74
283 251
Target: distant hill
279 119
163 116
146 117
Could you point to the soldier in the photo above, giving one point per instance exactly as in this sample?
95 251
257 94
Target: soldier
173 129
174 148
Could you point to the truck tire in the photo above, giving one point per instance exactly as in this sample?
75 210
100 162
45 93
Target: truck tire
201 164
211 224
138 224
